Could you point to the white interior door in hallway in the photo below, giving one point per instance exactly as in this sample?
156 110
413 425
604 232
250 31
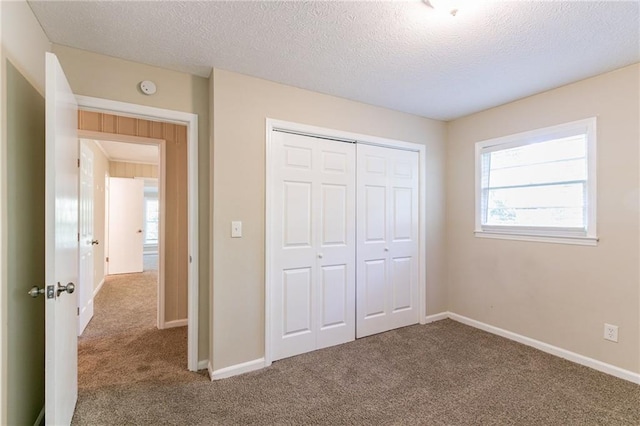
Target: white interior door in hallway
126 219
388 223
313 245
86 239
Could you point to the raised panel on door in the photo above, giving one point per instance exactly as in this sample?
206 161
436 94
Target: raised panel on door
297 312
374 284
312 226
375 214
333 296
296 219
402 299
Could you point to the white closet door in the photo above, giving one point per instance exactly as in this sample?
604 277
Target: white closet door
313 244
387 234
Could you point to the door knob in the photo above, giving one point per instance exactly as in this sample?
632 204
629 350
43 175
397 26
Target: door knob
94 242
139 231
386 249
35 291
69 288
320 256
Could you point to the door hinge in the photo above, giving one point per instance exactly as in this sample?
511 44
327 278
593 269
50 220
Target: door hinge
78 237
190 259
107 258
78 162
78 311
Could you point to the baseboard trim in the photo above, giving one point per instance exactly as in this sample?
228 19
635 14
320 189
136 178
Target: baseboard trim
175 323
203 364
436 317
234 370
97 289
550 349
40 420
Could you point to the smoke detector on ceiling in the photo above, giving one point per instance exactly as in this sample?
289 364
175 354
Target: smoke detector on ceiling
148 87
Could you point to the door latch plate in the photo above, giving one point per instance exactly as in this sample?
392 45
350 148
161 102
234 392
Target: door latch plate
51 294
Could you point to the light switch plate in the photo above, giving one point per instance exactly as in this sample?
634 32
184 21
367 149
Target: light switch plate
236 229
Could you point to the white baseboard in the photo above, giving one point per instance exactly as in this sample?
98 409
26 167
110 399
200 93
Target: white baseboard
175 323
203 364
234 370
436 317
550 349
40 420
97 289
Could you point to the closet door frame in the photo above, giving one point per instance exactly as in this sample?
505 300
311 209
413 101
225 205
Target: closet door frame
324 133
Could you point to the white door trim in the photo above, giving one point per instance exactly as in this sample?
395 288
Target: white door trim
339 135
162 179
191 121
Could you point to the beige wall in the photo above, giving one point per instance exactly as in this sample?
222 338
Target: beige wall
22 48
91 74
132 170
558 294
100 169
240 106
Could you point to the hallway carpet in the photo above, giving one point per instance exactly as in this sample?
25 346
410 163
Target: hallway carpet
444 373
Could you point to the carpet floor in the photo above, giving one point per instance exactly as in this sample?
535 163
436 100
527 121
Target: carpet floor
444 373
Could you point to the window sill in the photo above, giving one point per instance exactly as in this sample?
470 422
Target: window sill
555 239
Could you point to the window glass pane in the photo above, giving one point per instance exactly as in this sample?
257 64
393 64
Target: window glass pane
558 205
151 221
554 150
557 171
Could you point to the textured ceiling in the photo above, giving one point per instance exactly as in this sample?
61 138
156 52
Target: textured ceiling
400 55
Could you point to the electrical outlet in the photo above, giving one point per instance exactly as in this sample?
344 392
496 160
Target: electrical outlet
611 332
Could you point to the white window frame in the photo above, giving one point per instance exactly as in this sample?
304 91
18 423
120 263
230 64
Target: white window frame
146 221
542 234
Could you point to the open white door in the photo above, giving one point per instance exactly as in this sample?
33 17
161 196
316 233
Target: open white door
126 219
61 246
86 240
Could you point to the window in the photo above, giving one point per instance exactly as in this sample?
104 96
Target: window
151 221
539 185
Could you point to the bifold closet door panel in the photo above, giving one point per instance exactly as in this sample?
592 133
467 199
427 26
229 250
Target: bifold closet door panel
387 239
313 244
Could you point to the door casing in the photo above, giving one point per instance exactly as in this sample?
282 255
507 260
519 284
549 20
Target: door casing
357 138
191 122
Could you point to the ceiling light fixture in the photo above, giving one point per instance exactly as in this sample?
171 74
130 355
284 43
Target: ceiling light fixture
450 6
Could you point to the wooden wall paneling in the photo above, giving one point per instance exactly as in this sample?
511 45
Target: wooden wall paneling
143 128
109 124
127 126
90 121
